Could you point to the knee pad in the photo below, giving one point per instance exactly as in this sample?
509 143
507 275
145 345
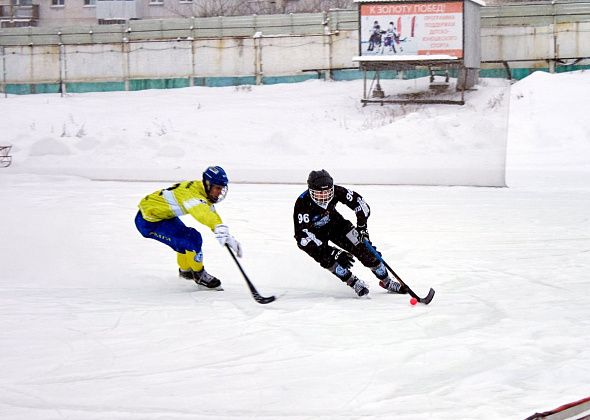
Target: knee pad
380 271
340 272
366 257
190 260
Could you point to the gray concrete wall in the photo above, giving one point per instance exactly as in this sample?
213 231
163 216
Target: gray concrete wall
186 48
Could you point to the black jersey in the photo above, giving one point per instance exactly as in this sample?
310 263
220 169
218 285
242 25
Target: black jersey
309 217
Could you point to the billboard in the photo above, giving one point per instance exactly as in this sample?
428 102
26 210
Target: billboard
433 28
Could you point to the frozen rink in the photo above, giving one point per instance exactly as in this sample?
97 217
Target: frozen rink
95 324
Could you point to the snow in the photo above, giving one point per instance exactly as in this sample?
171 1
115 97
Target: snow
155 135
95 324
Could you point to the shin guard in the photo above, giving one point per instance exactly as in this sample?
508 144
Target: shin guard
190 260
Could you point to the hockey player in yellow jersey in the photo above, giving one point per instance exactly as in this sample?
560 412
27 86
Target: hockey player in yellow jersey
158 218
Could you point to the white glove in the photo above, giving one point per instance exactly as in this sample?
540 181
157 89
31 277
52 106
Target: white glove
223 236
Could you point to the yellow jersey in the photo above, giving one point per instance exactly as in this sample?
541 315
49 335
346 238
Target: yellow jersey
188 197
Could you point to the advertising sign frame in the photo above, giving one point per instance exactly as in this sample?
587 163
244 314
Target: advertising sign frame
440 35
411 29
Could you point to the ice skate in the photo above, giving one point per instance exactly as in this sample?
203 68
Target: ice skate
358 285
392 286
186 274
204 280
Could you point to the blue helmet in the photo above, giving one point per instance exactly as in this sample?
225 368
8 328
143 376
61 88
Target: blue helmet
215 175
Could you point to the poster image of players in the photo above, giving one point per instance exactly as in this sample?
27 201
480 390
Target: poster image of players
434 28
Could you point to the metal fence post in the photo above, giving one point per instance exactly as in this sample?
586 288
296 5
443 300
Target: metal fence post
4 72
257 38
193 58
62 69
126 51
328 51
554 30
258 57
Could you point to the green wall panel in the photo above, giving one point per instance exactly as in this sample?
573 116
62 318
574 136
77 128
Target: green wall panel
224 81
338 75
26 88
143 84
82 87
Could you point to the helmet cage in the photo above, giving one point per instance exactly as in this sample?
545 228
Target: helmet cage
322 197
208 185
215 176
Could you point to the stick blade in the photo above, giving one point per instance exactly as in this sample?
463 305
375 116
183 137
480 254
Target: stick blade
426 300
263 300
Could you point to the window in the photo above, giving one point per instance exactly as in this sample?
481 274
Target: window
57 2
89 2
156 2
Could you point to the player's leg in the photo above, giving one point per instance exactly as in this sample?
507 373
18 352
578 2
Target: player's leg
186 241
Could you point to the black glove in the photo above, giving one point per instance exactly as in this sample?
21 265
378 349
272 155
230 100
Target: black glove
363 233
345 259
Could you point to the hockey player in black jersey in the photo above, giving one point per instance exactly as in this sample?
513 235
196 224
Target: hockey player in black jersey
317 222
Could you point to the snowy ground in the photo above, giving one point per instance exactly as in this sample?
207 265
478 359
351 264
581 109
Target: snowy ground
264 134
94 323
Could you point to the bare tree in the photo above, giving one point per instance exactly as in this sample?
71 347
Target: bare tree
206 8
311 6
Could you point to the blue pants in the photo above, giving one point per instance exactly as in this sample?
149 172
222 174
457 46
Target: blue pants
171 232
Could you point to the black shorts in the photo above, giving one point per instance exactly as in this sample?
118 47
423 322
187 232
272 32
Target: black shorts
336 232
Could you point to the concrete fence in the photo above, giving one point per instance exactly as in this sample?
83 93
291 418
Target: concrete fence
264 50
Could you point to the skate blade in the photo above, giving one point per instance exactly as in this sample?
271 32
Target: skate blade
205 288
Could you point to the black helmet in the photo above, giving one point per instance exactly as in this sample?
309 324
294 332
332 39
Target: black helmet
319 180
321 187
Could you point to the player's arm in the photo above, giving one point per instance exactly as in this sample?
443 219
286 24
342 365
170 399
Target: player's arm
305 233
203 213
355 202
196 205
301 219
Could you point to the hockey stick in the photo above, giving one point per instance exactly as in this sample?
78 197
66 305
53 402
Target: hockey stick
425 300
260 299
